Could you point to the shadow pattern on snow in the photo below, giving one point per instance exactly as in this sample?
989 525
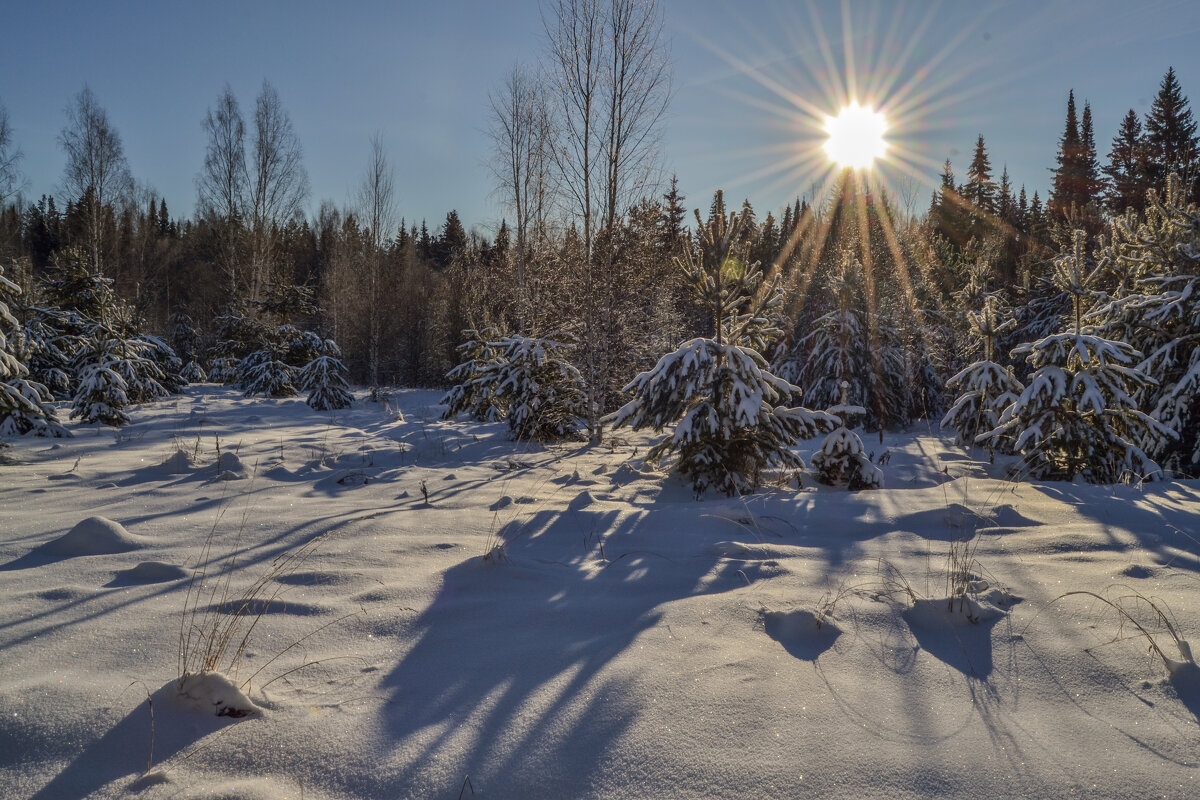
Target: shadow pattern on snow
512 677
801 633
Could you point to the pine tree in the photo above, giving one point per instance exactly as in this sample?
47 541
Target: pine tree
1171 142
985 387
1126 175
730 414
1076 415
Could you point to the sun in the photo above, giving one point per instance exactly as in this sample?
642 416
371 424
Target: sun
856 136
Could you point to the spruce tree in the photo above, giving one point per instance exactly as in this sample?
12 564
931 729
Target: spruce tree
1065 196
472 390
841 459
23 403
1171 142
985 388
1076 415
731 416
1126 172
980 189
1154 267
324 378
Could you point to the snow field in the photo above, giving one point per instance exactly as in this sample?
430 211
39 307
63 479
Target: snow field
631 642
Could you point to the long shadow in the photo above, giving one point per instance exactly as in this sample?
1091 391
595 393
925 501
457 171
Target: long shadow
1161 516
507 680
114 756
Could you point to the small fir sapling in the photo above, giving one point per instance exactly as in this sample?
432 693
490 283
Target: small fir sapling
985 388
23 403
102 394
469 394
732 417
841 460
542 391
192 372
324 378
265 373
1076 416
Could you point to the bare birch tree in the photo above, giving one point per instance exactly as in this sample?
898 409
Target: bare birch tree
96 173
612 85
376 206
522 137
278 184
11 179
221 185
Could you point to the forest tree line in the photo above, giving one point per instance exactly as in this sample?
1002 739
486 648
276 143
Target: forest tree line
591 240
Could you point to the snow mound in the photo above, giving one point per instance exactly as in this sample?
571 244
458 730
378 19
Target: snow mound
581 501
213 693
178 463
95 536
230 464
148 572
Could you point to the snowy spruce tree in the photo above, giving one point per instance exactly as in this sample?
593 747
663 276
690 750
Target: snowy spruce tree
324 378
1153 265
841 459
1076 416
532 379
469 394
732 417
984 387
102 393
266 373
24 403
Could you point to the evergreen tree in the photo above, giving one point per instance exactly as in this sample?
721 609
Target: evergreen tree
102 394
985 388
1154 262
324 378
851 343
1089 166
473 389
1066 195
541 392
980 190
841 460
729 412
1126 172
266 373
1076 415
1171 142
23 403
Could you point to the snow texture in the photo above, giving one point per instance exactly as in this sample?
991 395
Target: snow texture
634 642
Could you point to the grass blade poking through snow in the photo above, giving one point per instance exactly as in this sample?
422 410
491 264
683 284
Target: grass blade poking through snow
218 622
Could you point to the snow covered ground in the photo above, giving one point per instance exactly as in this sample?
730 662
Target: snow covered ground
621 639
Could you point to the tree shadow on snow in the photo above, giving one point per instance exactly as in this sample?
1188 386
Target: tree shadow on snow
511 679
1161 516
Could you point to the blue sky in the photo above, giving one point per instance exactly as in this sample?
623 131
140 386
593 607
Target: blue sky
749 78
